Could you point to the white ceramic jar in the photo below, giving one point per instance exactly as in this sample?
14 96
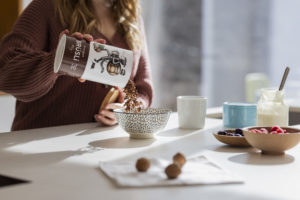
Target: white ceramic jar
271 108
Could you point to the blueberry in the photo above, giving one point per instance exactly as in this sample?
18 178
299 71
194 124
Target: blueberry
239 131
230 134
222 133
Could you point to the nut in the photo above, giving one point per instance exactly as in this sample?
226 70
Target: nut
173 171
179 158
142 164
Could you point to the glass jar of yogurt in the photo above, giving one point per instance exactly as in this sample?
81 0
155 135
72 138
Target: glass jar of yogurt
271 108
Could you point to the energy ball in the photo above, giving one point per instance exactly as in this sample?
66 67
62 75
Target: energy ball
179 158
173 171
142 164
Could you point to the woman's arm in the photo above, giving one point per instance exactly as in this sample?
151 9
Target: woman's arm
26 66
143 79
25 72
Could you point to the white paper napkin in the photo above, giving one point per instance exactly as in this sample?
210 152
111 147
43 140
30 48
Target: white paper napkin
197 170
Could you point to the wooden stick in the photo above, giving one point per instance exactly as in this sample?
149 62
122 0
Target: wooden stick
286 72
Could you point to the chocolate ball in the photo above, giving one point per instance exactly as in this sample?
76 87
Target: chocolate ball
142 164
179 158
173 171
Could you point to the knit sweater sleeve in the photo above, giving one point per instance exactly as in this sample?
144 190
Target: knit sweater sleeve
143 78
26 63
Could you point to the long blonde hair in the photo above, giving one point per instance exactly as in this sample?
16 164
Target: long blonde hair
78 16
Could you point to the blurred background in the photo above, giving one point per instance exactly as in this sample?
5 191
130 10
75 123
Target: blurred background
224 50
208 47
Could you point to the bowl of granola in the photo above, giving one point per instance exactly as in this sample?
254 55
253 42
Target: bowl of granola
143 124
140 122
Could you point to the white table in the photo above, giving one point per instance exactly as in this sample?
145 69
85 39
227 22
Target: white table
61 163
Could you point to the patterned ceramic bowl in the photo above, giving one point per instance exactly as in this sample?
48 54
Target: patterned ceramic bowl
143 124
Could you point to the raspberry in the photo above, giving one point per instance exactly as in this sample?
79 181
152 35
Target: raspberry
274 132
279 130
258 131
274 128
263 130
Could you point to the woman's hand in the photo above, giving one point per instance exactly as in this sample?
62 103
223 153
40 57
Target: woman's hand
77 35
106 116
66 31
81 36
121 96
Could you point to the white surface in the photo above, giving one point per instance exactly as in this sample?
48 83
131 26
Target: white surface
7 112
198 170
62 163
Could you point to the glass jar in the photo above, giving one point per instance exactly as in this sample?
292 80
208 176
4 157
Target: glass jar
271 108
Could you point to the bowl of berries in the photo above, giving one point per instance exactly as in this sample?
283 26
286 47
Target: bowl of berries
272 140
234 137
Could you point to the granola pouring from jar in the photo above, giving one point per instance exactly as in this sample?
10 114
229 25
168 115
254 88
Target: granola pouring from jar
132 104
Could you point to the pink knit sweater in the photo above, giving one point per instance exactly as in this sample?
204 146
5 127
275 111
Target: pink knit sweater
43 97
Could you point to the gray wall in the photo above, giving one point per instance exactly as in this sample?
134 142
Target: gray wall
174 38
235 42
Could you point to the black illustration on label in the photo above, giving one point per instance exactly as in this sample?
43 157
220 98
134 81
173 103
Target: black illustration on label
114 63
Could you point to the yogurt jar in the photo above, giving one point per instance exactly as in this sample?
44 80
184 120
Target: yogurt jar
271 108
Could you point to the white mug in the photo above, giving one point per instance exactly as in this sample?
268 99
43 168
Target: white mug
191 111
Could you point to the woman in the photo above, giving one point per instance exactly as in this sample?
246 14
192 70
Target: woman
27 56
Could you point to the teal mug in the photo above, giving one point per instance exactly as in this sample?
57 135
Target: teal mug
239 115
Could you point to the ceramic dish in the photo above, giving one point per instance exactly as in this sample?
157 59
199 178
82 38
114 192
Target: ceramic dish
272 143
143 124
235 141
